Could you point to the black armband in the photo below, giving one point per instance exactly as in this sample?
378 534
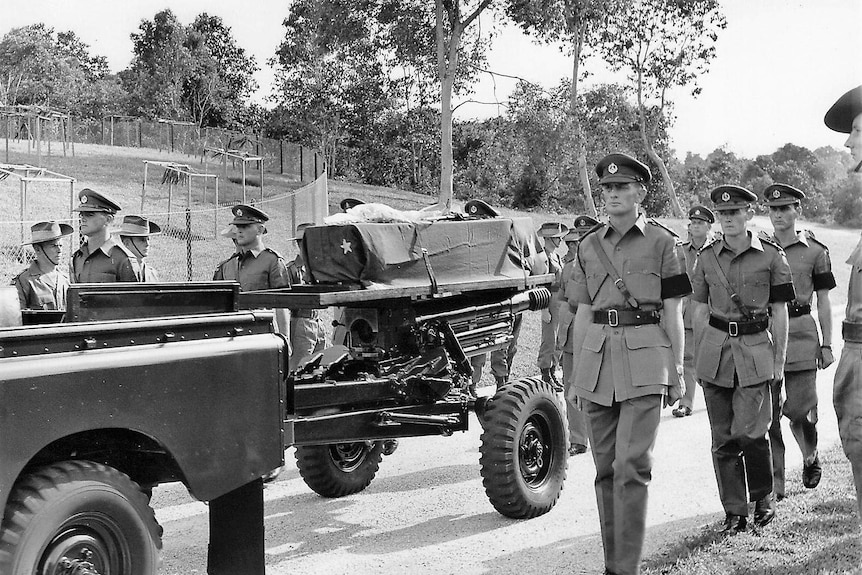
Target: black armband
823 281
782 292
675 286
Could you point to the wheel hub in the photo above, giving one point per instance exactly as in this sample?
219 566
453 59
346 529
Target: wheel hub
532 448
75 554
349 456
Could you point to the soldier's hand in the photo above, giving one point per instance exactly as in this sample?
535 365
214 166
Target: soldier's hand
825 357
676 389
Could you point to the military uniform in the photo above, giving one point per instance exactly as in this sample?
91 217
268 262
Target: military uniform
577 421
111 262
626 361
690 251
137 227
548 358
38 290
254 270
307 335
735 360
847 389
812 271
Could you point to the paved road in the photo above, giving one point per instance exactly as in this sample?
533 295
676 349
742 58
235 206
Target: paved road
426 512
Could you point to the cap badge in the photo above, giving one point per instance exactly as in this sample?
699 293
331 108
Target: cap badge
776 194
725 197
473 209
83 199
612 168
239 212
697 212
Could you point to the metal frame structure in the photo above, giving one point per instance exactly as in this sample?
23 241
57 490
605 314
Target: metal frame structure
26 174
39 114
243 157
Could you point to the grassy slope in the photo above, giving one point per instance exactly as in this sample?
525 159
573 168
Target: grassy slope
817 533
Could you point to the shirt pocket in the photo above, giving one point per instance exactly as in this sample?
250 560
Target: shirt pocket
642 275
708 352
590 362
256 280
649 355
755 288
759 354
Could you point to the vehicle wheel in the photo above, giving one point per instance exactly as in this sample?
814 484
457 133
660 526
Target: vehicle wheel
523 461
79 517
339 469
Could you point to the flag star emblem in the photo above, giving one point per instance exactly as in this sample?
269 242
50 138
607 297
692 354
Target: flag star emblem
345 247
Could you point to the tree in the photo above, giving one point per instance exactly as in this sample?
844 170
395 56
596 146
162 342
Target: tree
572 22
662 44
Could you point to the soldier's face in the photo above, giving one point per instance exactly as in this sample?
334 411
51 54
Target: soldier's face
246 234
783 217
854 140
733 222
93 222
140 246
621 198
698 229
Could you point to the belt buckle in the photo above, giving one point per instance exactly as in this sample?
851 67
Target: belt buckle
613 318
733 329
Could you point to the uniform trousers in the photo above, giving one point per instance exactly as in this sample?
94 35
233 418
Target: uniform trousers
306 338
799 405
548 357
576 418
847 398
689 372
622 438
739 418
501 359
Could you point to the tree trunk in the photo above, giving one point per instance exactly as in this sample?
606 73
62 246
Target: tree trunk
446 70
583 173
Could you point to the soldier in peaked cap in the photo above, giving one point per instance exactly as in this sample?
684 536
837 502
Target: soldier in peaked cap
348 203
552 234
845 116
628 342
700 220
739 281
578 440
100 259
42 285
135 234
812 275
307 335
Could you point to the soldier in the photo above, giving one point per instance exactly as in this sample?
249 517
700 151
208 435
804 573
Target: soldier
577 421
43 285
700 220
812 274
100 259
135 234
548 359
306 328
534 262
845 116
627 341
738 281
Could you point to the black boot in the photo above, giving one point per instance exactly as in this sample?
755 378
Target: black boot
548 376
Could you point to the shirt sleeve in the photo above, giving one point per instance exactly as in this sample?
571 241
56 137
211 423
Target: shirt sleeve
674 281
699 287
781 284
576 287
278 274
822 275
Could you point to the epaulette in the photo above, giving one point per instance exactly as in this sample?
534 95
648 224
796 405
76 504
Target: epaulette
709 244
126 251
809 235
767 239
595 228
223 262
664 227
273 252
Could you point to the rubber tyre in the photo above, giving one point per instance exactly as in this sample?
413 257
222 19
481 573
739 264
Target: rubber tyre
61 509
339 469
524 457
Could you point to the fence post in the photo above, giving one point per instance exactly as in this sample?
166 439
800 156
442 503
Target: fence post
315 165
281 156
140 133
172 136
301 171
189 242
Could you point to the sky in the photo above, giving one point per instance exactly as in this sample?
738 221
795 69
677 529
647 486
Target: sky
779 63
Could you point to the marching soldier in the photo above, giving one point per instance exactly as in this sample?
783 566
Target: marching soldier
135 234
845 116
627 340
700 220
43 285
812 274
552 233
100 259
307 335
577 421
738 281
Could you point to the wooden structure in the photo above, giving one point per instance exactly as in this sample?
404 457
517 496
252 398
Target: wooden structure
28 174
170 125
116 118
236 155
178 174
33 123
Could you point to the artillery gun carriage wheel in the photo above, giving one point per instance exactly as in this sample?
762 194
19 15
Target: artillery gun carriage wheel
524 460
339 469
79 517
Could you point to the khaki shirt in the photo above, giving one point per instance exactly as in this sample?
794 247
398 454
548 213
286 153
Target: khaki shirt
812 271
689 252
41 291
254 270
624 362
853 312
760 275
110 263
567 314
